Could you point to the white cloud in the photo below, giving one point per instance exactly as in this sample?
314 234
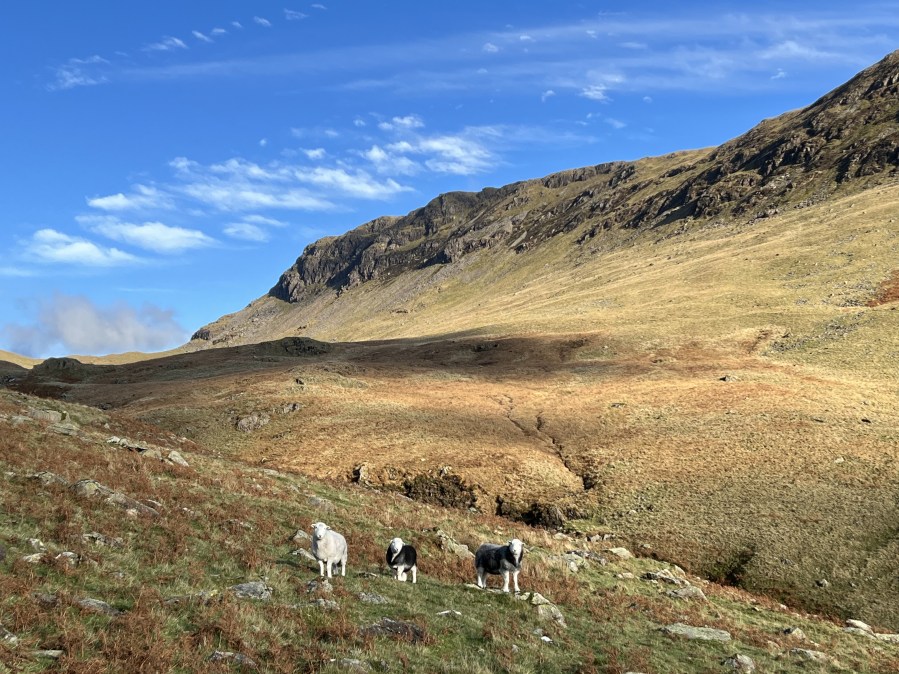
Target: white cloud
49 245
549 93
143 197
355 183
315 153
407 122
791 49
591 33
262 21
293 15
78 73
490 48
246 232
615 123
634 45
595 92
331 133
16 271
647 99
456 154
166 44
263 142
219 31
153 236
318 5
73 324
388 162
237 24
263 220
525 38
359 122
200 36
779 75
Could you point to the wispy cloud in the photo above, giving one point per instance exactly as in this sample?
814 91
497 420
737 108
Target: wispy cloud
549 93
293 15
218 31
153 236
318 5
166 44
595 92
142 198
50 245
73 324
407 122
78 73
615 123
246 231
200 36
490 48
314 153
262 21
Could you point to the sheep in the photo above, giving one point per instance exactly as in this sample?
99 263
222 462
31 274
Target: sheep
499 560
329 548
402 558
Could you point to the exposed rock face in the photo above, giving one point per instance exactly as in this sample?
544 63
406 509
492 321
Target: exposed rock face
794 160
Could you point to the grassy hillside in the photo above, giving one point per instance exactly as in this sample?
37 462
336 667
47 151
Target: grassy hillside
164 575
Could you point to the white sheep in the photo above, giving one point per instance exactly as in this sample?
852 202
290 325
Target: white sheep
402 558
329 548
499 560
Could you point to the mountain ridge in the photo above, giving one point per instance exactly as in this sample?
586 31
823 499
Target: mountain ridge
842 143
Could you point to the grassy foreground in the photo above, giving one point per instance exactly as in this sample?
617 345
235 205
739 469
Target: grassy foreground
221 523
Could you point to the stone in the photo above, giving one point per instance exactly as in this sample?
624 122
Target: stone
688 592
551 612
47 478
859 632
104 541
701 633
8 637
321 503
176 458
252 590
451 613
625 575
859 625
36 544
36 558
666 576
739 663
299 536
446 543
322 586
888 638
97 606
236 658
45 415
45 600
395 629
252 422
809 655
325 604
352 664
621 553
372 598
823 583
795 633
305 554
70 559
49 654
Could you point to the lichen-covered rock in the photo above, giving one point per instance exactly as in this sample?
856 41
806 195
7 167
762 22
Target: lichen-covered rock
700 633
252 590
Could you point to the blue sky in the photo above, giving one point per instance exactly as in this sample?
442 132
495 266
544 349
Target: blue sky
162 163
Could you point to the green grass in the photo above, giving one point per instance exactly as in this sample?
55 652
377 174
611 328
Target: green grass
224 522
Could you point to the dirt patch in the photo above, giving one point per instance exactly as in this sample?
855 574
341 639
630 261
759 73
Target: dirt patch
887 291
444 490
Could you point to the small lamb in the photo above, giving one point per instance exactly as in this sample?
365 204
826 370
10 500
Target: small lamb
499 560
329 548
402 558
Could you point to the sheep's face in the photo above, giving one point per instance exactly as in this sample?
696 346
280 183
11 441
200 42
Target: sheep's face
516 547
319 529
396 545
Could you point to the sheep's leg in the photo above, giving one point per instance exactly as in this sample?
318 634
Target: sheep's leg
401 574
505 581
343 567
321 568
482 581
414 574
515 581
328 567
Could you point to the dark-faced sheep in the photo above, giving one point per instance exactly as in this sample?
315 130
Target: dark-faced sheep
329 548
402 558
501 560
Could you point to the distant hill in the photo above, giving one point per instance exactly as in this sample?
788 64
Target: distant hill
430 271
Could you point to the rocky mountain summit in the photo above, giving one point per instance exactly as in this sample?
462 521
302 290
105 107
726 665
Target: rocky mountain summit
844 142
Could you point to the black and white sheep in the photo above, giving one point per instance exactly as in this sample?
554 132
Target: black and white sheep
402 558
329 548
499 560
